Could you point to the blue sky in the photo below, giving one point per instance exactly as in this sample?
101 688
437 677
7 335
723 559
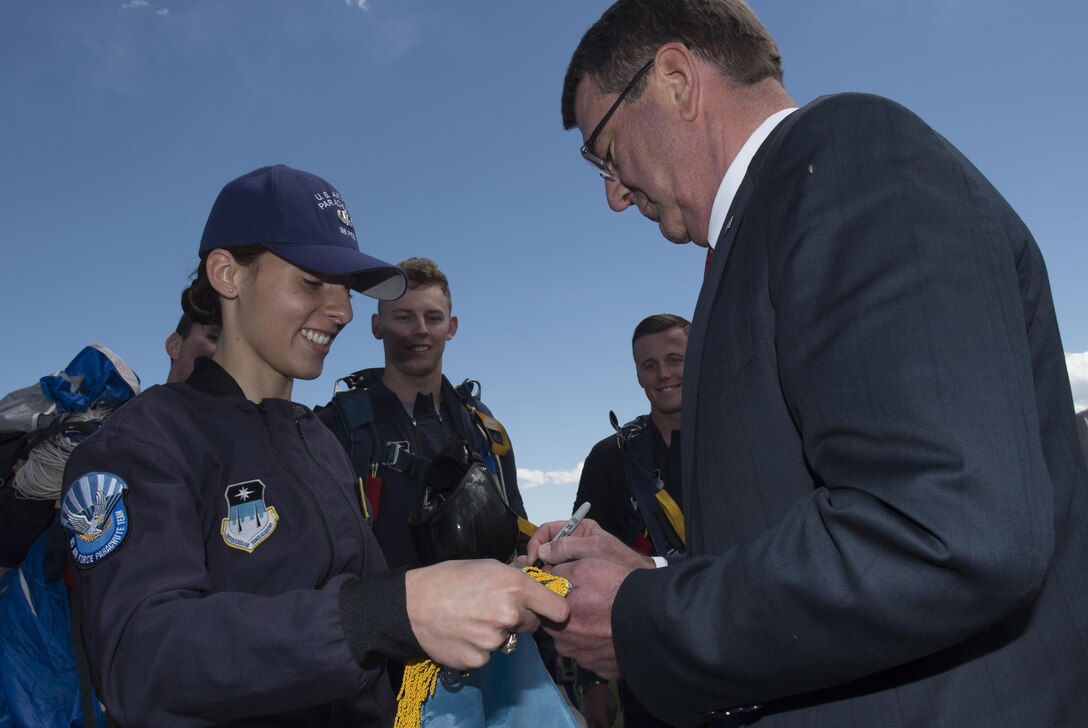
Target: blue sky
439 123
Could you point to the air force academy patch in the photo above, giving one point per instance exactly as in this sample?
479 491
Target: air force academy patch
94 517
249 521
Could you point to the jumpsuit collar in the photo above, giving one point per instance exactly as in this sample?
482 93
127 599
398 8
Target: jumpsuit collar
210 378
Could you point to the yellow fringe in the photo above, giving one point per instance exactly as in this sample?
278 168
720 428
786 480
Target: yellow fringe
421 676
557 584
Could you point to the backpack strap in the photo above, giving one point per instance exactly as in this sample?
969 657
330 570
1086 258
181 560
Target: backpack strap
491 439
489 434
355 412
495 439
662 517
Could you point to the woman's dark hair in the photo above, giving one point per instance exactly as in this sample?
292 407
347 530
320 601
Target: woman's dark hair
200 301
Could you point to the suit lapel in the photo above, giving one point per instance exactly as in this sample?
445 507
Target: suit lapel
693 361
694 357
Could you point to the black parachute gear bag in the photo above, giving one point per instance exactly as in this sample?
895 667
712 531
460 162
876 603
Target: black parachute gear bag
463 514
23 520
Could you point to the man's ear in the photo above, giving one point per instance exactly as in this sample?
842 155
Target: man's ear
452 328
678 69
376 326
173 346
224 273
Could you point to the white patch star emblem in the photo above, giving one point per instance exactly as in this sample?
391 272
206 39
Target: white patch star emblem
249 519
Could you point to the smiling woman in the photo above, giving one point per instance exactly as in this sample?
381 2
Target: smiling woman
285 319
219 523
277 259
217 496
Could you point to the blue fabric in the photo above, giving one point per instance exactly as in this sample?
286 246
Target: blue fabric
7 719
39 681
510 691
93 377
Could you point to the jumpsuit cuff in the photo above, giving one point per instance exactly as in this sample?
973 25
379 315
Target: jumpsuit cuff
374 614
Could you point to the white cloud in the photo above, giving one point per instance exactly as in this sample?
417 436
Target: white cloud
133 4
533 478
1077 364
361 4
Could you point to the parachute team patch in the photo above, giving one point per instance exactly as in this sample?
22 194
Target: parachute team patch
94 517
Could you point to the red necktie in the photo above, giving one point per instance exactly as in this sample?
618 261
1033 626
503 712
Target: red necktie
709 256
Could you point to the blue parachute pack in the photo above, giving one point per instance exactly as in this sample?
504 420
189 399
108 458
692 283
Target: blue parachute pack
43 681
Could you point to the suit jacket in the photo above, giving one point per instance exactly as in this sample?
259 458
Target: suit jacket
886 506
1082 430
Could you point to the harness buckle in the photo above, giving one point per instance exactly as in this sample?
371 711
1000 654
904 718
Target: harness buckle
396 453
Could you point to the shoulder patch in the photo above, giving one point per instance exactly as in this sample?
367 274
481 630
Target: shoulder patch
249 520
94 517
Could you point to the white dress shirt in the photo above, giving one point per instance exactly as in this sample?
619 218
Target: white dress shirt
727 190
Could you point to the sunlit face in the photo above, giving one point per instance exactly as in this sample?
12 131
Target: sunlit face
632 146
659 362
414 330
201 341
286 319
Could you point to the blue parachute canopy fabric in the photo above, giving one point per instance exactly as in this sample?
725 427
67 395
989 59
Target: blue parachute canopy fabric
96 376
39 680
510 691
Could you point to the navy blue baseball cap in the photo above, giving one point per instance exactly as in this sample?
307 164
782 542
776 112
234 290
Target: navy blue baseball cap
302 219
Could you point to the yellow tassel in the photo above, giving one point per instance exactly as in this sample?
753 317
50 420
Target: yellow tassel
557 584
421 676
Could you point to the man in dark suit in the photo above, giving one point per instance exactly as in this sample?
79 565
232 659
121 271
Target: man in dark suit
886 507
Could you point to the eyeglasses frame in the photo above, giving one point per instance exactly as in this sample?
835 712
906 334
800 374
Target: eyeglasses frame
587 149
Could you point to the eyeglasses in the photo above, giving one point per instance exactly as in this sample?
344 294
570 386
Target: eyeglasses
587 149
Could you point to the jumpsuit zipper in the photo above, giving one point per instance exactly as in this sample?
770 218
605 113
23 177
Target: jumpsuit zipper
306 446
306 489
